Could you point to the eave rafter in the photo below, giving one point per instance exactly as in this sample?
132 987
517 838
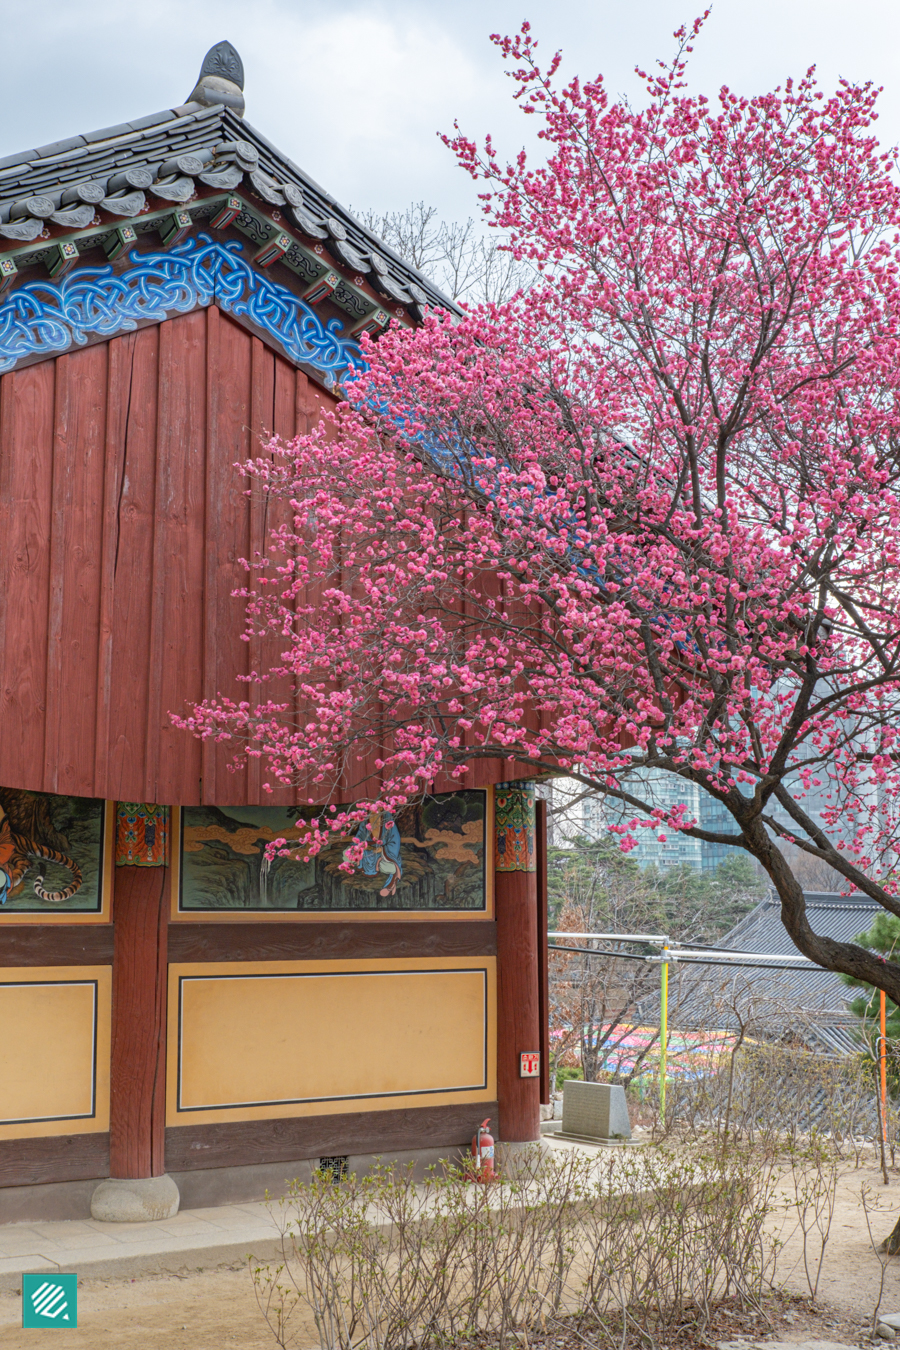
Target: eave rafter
62 301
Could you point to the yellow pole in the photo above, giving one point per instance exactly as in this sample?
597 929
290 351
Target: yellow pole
663 1029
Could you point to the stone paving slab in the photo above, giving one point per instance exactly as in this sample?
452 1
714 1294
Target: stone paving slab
189 1241
744 1344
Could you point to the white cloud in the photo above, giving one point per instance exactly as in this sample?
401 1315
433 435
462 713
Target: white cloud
369 96
356 90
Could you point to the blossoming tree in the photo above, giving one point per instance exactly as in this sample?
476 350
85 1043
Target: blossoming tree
646 514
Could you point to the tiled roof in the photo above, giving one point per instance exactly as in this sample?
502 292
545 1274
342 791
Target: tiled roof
171 156
819 996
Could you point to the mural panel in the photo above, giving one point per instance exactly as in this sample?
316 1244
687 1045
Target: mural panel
52 853
430 856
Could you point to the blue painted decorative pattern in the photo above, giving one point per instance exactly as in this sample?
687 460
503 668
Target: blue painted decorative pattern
45 317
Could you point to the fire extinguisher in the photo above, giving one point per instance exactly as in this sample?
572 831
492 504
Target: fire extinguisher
483 1153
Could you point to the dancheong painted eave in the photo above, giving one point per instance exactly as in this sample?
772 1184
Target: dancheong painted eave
97 202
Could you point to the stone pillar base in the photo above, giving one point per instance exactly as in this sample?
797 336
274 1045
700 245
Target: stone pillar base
137 1201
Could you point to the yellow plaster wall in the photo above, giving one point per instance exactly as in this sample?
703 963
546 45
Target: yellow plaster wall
54 1051
298 1038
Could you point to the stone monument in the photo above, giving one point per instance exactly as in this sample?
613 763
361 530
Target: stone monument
595 1113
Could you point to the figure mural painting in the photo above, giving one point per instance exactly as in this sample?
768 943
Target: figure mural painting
383 850
430 855
51 852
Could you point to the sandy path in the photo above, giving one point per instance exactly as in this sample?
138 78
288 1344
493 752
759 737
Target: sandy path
205 1310
851 1271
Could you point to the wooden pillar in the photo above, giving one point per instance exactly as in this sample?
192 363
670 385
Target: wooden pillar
516 903
543 899
138 1069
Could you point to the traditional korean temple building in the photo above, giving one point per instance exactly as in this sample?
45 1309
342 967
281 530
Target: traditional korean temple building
172 1005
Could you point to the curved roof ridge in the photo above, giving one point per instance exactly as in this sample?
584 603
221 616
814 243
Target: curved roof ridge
176 152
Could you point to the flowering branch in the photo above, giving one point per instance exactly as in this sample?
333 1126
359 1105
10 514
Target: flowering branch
645 514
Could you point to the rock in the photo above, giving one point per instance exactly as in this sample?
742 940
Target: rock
824 1345
886 1332
120 1201
890 1320
800 1345
820 1345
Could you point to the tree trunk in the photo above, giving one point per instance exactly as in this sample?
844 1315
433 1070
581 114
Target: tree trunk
844 957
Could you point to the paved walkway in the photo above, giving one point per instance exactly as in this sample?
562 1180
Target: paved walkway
781 1345
193 1239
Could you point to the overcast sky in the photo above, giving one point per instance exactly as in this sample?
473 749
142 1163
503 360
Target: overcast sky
356 92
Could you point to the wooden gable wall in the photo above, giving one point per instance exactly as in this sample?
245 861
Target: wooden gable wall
122 520
122 526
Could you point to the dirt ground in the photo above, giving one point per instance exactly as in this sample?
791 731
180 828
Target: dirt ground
199 1310
216 1309
851 1270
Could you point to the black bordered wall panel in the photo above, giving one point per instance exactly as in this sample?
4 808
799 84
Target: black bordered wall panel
54 1072
258 1040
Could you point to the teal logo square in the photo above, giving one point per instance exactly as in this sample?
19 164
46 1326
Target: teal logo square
49 1300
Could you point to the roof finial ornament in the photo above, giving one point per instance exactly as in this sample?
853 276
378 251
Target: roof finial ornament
221 79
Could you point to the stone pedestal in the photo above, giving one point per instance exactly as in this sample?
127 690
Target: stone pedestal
126 1201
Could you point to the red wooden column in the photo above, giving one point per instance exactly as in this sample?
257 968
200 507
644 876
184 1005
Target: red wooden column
543 897
140 918
518 1004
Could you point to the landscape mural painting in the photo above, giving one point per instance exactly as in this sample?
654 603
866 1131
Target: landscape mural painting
429 856
51 853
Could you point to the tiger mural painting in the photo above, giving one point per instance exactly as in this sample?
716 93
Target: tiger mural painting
28 836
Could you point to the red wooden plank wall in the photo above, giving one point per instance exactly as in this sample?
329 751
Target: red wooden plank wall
122 523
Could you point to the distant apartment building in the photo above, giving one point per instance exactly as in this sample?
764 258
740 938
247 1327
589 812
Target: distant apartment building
578 813
716 818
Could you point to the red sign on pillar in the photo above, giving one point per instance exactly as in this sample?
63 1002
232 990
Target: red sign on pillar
529 1064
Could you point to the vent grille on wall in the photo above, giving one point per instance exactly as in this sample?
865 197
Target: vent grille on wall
334 1167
